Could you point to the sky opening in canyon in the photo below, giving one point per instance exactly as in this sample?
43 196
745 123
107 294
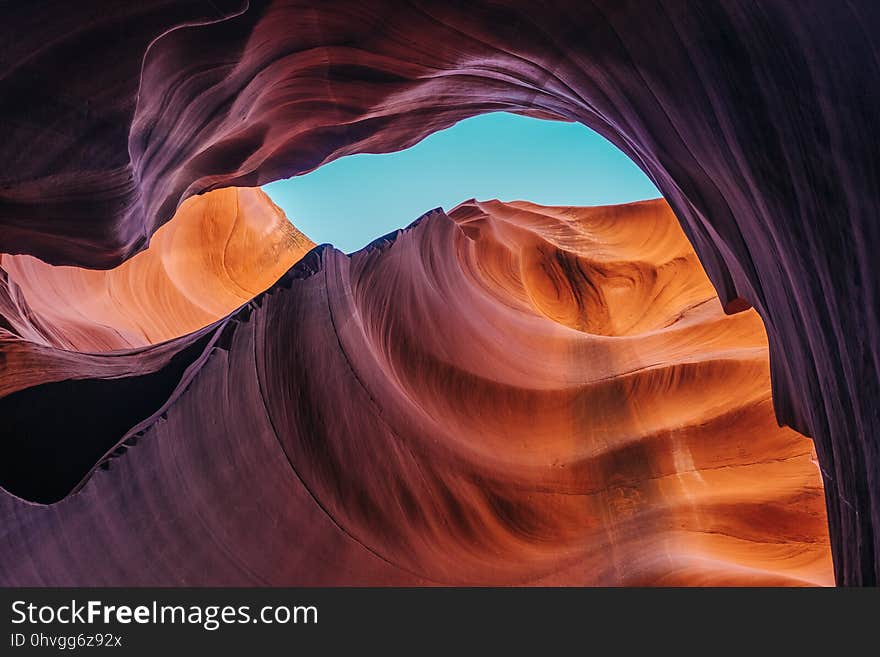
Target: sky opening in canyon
353 200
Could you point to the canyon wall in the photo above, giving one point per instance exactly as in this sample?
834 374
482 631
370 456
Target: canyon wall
757 121
510 394
221 250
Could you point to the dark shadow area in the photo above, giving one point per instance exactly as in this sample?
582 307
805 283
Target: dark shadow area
52 435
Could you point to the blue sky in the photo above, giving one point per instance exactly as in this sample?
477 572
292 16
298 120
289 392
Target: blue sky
351 201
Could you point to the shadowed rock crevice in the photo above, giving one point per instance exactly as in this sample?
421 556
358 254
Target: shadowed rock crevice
53 435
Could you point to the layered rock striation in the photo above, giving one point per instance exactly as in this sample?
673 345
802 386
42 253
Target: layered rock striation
757 121
221 250
507 394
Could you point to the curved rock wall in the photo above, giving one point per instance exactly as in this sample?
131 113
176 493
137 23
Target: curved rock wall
220 251
756 120
510 394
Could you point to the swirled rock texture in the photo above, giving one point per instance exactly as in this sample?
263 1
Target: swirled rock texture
220 251
757 121
510 394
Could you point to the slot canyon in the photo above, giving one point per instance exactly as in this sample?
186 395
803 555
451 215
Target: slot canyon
672 392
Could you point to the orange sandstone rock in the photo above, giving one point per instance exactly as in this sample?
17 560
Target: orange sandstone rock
510 394
220 250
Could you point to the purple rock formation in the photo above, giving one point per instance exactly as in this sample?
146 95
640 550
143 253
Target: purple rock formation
468 402
756 120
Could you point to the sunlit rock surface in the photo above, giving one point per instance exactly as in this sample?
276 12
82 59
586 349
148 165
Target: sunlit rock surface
757 121
510 394
221 250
